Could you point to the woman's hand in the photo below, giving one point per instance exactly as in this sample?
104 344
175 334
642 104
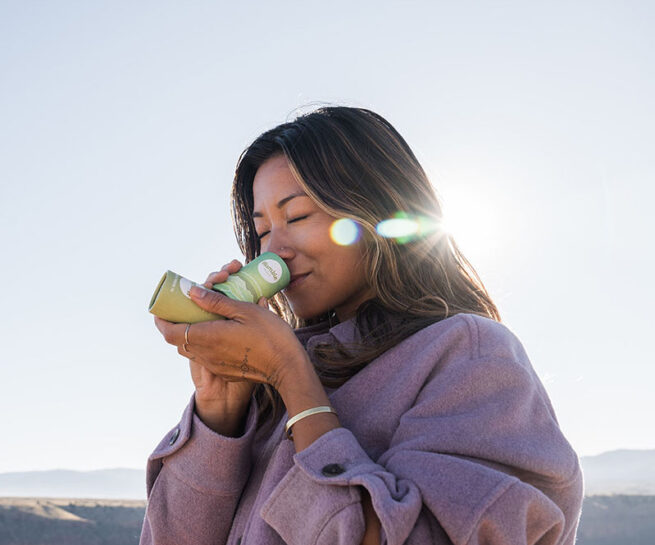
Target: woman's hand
221 404
213 391
252 344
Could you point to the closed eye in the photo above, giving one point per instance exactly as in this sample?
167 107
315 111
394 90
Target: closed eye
259 237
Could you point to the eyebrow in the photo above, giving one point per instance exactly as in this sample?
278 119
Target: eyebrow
281 203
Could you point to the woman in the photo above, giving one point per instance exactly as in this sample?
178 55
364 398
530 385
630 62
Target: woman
382 401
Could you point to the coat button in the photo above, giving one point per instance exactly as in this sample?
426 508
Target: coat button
332 470
175 435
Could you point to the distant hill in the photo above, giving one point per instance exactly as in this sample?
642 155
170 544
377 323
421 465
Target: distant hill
606 520
62 483
617 472
617 520
44 521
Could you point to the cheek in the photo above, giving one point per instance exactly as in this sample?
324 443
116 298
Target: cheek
316 240
348 263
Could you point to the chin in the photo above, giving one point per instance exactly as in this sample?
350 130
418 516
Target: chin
307 314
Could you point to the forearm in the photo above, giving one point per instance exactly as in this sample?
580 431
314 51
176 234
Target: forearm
305 391
301 391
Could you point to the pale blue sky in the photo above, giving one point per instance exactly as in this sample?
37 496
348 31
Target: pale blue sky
121 124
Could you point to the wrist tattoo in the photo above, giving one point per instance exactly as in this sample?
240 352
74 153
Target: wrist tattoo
245 368
244 364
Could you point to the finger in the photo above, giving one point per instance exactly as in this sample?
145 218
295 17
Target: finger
162 325
217 303
233 266
173 333
217 277
186 353
263 302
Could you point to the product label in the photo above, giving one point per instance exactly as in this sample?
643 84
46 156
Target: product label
235 288
270 270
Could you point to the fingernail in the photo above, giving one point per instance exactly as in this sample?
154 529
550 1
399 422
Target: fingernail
198 292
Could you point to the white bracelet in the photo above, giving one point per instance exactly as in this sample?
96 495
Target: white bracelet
304 414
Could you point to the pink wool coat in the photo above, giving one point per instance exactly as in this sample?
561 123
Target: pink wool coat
451 432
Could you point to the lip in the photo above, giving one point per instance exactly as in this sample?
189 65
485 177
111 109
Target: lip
296 280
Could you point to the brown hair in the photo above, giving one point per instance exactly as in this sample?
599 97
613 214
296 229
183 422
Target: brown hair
352 163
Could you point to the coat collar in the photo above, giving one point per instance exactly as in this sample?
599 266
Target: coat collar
344 332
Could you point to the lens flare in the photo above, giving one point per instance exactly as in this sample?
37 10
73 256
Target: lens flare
404 227
397 228
344 232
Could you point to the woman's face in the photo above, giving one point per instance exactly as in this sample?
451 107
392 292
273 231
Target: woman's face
299 232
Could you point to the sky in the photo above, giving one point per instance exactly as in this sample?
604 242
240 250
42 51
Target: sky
121 124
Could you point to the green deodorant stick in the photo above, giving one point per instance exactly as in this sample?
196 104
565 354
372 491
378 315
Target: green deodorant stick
264 276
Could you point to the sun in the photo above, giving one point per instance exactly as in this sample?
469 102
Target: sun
475 219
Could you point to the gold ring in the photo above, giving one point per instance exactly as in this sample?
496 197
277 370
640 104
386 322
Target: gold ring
186 334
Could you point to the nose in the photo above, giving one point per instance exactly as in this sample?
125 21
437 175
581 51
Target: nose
279 245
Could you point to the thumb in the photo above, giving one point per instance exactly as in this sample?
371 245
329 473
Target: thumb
214 302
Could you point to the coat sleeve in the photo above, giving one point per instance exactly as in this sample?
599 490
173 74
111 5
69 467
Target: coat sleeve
477 459
194 479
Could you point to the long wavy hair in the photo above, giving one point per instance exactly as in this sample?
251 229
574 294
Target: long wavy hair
353 164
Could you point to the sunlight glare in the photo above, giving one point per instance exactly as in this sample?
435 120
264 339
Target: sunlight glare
475 220
344 232
404 227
